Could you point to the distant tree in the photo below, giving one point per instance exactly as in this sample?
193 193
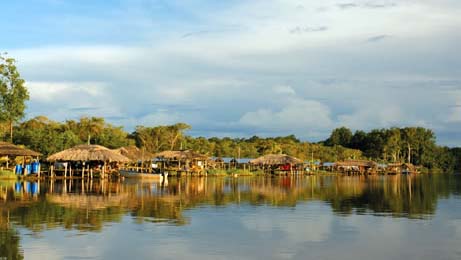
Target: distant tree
176 132
359 140
90 127
13 93
340 136
160 138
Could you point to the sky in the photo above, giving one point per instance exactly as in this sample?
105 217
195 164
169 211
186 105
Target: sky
240 68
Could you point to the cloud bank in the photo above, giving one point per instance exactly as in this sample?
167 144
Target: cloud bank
244 67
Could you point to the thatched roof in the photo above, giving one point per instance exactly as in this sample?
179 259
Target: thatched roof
84 153
358 163
134 153
14 150
180 155
276 159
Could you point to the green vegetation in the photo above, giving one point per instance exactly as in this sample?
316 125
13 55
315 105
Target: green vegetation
4 174
13 93
410 144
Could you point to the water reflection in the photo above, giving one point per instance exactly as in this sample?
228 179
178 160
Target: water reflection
87 205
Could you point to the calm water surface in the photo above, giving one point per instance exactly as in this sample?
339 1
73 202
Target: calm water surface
316 217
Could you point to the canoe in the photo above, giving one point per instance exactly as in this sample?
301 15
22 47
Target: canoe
134 174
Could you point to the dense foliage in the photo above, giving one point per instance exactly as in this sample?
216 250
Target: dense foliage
13 93
416 145
412 144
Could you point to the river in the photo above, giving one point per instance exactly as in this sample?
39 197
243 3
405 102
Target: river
311 217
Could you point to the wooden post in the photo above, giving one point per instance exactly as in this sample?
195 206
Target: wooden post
52 171
39 169
7 161
65 170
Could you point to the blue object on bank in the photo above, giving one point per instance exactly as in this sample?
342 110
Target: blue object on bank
35 166
18 169
27 169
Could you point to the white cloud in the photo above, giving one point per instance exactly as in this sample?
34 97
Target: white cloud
317 80
298 116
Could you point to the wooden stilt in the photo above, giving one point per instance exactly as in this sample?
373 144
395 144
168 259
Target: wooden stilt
104 170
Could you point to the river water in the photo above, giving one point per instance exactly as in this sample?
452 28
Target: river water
312 217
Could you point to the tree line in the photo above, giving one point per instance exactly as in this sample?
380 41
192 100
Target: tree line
415 145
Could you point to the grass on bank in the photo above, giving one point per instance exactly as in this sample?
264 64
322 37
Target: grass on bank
5 174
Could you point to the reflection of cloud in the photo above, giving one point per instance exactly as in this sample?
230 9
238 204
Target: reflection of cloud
307 226
456 225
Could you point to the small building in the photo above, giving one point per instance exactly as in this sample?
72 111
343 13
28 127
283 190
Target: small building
279 164
140 160
29 158
401 168
179 162
86 158
230 162
327 166
356 167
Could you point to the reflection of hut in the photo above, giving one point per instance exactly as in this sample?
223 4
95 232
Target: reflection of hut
278 163
10 150
186 161
356 167
87 156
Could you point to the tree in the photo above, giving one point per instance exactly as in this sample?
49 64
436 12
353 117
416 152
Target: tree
340 136
176 133
13 93
89 127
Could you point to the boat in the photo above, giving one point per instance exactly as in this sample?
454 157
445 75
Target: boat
142 175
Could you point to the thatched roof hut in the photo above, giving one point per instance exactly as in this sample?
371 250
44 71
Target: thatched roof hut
85 153
276 159
9 149
134 153
180 155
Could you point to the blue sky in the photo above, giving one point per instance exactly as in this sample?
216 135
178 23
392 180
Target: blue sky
239 68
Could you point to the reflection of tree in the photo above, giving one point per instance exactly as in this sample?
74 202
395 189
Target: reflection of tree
89 206
9 244
404 196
